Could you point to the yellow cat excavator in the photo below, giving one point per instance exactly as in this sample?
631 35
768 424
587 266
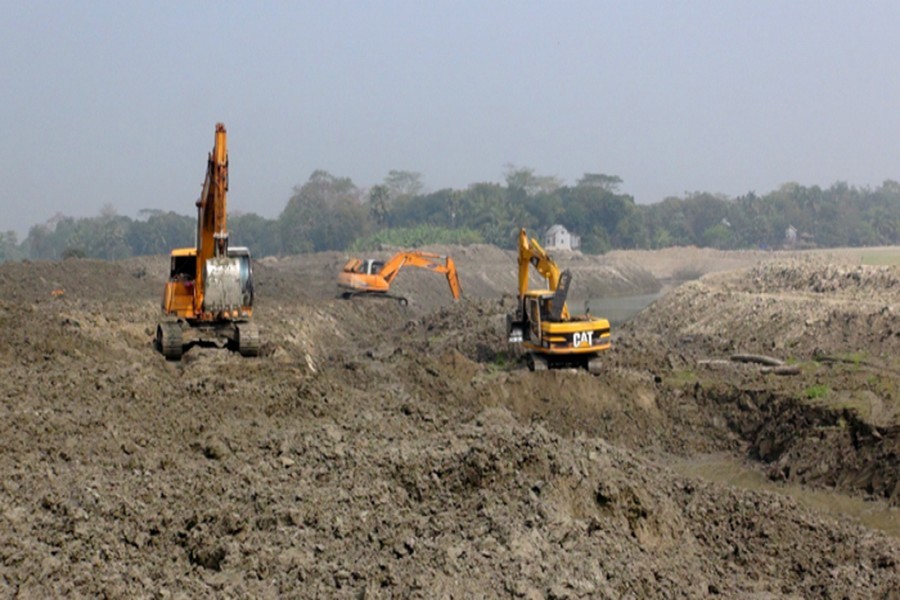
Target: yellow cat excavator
542 323
374 277
209 294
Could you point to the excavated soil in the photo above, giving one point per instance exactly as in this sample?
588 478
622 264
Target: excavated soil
380 451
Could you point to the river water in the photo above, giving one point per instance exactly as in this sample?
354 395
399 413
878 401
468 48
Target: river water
615 310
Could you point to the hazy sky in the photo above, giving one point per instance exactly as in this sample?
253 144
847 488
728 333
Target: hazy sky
115 103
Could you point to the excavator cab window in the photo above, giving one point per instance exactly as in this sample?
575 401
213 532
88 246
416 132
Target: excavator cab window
375 266
533 312
183 268
546 308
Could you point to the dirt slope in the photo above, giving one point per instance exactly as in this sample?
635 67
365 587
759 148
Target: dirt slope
835 422
374 451
484 271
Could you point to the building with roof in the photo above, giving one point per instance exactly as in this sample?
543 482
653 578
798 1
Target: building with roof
558 237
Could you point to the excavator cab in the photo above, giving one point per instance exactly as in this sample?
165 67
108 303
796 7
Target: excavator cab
374 266
370 266
182 267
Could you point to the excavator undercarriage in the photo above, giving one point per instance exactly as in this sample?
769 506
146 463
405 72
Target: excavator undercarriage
173 335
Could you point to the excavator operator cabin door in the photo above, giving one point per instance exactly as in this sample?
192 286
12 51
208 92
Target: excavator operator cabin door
533 312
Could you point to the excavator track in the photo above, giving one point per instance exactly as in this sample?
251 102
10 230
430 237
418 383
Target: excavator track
402 301
537 363
247 338
170 340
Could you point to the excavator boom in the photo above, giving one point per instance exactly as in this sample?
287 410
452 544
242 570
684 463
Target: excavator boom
532 254
212 232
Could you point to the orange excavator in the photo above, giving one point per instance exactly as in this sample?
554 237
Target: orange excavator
209 294
373 277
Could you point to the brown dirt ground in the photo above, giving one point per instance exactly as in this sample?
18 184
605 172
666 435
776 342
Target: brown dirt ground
376 451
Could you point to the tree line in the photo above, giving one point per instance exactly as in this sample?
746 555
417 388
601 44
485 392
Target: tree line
329 212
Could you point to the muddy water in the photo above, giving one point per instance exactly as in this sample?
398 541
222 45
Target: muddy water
616 310
727 470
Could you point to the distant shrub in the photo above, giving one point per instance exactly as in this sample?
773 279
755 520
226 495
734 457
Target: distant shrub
73 253
414 237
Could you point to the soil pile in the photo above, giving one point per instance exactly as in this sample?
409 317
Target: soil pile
376 451
484 272
836 420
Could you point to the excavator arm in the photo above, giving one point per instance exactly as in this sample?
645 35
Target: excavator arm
423 260
212 232
531 253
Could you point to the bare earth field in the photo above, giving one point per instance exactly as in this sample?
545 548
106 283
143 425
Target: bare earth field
377 451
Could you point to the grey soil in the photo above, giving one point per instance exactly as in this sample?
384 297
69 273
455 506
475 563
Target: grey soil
379 451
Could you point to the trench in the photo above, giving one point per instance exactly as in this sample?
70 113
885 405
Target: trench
828 461
727 470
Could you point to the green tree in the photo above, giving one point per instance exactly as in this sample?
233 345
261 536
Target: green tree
717 236
262 236
596 241
107 234
324 214
610 183
404 183
39 242
525 179
380 204
415 237
160 233
9 247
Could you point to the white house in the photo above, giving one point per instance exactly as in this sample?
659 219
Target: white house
790 236
559 238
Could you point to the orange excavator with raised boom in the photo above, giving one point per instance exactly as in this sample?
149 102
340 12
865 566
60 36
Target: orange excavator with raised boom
372 277
208 296
542 323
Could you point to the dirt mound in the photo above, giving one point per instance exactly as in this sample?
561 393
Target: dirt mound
376 451
836 420
484 272
792 308
689 262
816 275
